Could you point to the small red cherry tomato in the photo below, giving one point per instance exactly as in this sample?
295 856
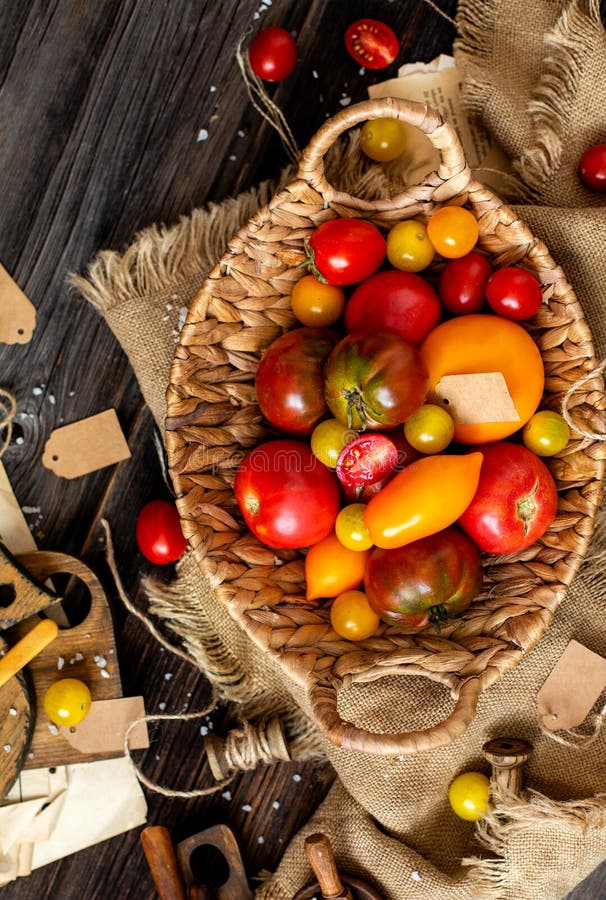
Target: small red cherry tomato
463 283
371 43
345 251
592 167
273 54
158 532
514 293
366 459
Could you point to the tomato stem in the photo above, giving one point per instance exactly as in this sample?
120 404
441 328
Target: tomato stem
355 407
437 614
310 263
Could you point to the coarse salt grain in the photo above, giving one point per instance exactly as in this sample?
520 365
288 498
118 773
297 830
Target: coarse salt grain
100 661
12 711
315 74
202 135
247 807
162 706
345 101
296 777
52 399
168 676
7 748
105 673
241 133
260 839
60 663
276 804
203 730
362 71
212 89
226 795
415 876
36 391
53 728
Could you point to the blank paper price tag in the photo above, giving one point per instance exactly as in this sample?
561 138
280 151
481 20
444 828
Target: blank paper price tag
476 398
103 728
86 446
571 690
17 313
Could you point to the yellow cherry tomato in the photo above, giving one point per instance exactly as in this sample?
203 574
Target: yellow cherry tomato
430 429
546 433
453 231
350 527
67 701
426 497
317 304
408 246
469 796
351 616
328 439
331 568
383 139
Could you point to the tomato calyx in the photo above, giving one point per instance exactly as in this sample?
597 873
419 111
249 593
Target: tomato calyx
437 615
526 508
310 262
357 410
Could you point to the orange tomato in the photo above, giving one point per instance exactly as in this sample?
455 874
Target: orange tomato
484 343
317 304
331 568
453 231
427 496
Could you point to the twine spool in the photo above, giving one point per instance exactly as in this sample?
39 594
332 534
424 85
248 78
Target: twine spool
8 408
246 747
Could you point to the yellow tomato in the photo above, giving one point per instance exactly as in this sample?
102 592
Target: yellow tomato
453 231
430 429
328 439
383 139
67 701
331 568
351 616
408 246
469 796
316 304
350 527
426 497
546 433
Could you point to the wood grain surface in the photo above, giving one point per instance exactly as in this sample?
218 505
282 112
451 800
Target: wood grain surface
101 105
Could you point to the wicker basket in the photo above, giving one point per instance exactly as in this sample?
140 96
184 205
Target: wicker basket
213 417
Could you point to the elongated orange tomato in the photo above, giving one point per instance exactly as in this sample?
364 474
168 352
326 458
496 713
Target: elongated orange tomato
331 568
427 496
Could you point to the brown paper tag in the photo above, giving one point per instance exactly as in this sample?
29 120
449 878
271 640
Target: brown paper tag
17 313
14 530
476 398
86 446
572 688
102 731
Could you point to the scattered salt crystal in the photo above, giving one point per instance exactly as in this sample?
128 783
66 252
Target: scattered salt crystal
266 2
226 795
60 663
168 676
30 755
53 728
19 440
315 74
188 694
162 706
7 748
247 807
261 839
30 510
212 89
345 101
278 562
169 306
362 71
174 296
296 777
100 661
256 15
71 394
36 391
233 157
202 135
241 133
12 711
87 635
165 318
52 399
182 317
203 730
276 804
415 876
105 673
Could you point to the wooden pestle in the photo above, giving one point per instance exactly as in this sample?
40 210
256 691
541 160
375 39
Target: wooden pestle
162 862
322 860
507 757
201 892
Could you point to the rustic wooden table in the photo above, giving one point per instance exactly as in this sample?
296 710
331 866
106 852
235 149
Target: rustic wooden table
101 105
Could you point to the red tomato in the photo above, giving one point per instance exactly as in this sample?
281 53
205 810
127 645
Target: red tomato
273 54
401 302
371 43
426 581
463 283
158 532
345 251
592 167
374 381
516 500
290 379
287 497
366 459
514 293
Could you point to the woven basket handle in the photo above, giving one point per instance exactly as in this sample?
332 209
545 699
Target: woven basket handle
451 179
350 737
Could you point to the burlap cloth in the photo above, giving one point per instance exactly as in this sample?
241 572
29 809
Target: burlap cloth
533 70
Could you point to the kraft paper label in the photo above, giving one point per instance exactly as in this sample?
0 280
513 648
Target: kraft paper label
572 688
14 530
477 398
86 446
17 313
103 729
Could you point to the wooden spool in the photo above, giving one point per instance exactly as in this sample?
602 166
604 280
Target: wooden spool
507 757
245 748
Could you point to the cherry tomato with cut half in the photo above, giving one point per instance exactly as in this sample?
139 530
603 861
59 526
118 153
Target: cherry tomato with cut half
371 43
345 251
514 293
328 439
351 616
430 429
469 796
546 433
453 231
383 139
317 304
462 285
350 527
408 246
273 54
158 532
366 459
67 701
592 168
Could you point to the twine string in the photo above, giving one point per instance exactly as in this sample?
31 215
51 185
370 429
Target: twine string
246 747
571 738
566 404
8 408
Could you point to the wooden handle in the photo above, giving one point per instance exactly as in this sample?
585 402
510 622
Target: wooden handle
507 757
162 862
322 860
201 892
29 646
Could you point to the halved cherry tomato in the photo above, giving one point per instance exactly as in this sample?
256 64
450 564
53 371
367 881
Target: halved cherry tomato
273 54
371 43
427 497
592 167
383 139
514 293
453 231
409 247
366 459
345 251
317 304
486 343
331 568
352 617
